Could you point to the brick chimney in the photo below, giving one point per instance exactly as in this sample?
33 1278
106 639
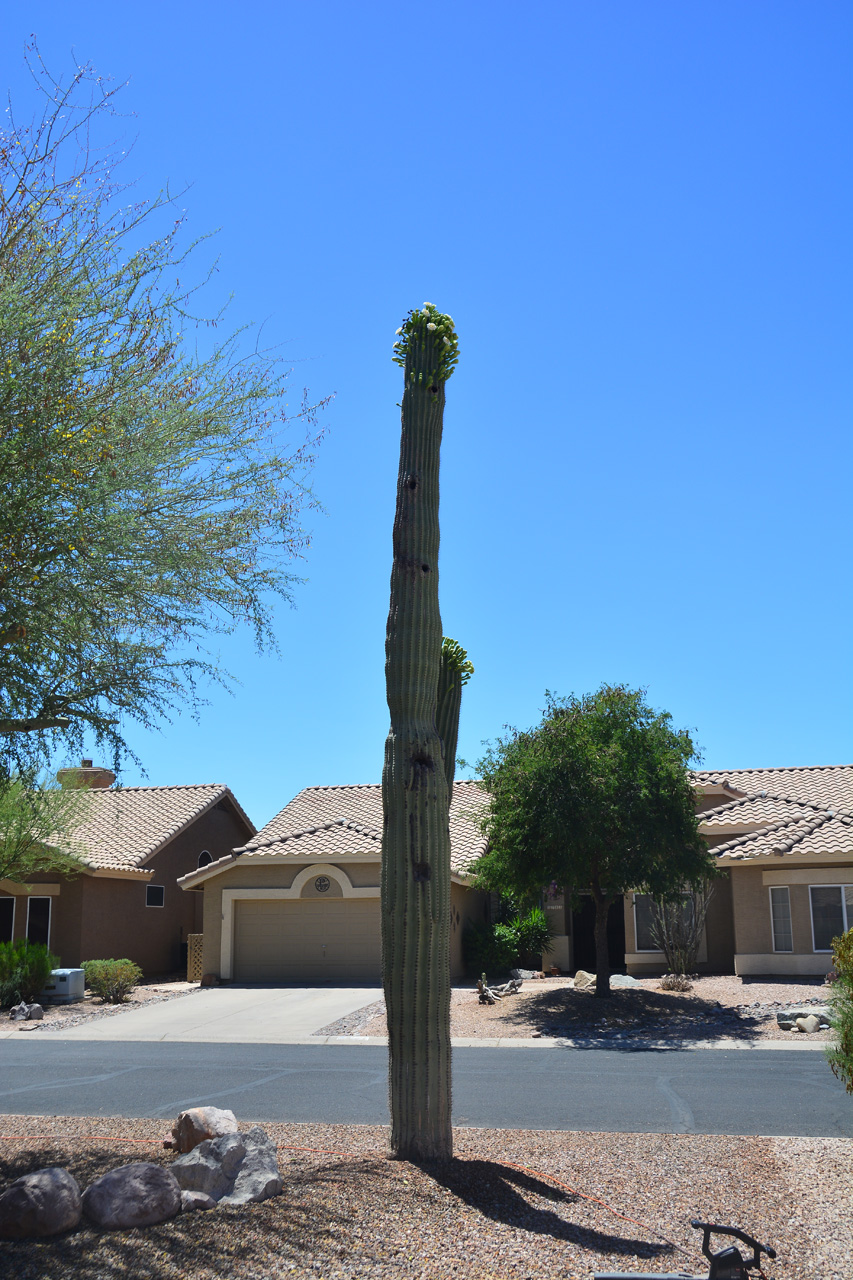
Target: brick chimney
86 776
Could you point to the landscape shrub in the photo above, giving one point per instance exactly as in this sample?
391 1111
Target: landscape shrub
497 948
840 1055
24 970
112 980
676 982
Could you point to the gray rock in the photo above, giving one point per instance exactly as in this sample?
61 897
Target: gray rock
35 1013
198 1124
19 1012
136 1195
39 1204
584 980
522 973
196 1200
623 980
212 1166
237 1168
792 1012
258 1177
808 1024
785 1024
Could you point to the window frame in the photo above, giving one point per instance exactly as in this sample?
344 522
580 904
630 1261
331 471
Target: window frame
638 950
847 923
155 906
41 897
786 951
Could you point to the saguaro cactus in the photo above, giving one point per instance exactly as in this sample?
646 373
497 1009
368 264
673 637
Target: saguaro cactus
454 672
415 791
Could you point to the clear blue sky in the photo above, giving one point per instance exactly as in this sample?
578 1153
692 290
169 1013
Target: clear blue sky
639 217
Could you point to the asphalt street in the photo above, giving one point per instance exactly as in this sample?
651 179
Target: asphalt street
594 1090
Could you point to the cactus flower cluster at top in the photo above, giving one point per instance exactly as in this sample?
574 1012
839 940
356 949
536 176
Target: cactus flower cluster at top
423 322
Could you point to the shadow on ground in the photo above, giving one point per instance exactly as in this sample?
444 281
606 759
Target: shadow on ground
355 1217
664 1016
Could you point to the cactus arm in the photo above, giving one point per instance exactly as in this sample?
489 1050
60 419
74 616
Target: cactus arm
415 894
454 672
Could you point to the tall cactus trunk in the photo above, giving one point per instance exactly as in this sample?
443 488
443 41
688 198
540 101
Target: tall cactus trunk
454 672
415 800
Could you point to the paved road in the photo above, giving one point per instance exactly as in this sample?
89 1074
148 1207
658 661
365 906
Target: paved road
628 1091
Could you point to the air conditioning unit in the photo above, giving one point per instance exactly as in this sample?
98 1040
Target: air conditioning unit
64 985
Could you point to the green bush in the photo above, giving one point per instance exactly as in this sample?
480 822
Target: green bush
112 980
497 948
24 970
840 1055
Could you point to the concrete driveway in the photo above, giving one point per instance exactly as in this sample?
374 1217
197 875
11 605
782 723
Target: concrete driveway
229 1015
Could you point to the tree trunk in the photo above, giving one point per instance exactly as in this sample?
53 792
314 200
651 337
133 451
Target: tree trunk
416 835
602 956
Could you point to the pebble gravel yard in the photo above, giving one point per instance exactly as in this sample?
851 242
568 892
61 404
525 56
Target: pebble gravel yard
511 1206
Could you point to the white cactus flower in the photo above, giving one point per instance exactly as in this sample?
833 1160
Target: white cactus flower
447 342
427 304
430 327
398 330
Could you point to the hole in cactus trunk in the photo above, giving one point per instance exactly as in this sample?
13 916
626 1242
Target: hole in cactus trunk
425 568
412 482
434 390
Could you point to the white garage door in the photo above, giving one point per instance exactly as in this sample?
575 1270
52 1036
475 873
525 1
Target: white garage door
308 941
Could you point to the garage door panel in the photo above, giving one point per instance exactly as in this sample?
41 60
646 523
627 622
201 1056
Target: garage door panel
307 940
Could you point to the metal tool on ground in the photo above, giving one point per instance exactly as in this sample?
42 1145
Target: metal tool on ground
726 1264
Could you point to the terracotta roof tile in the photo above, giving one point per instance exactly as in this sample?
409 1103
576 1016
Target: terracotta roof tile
830 786
359 808
817 835
121 828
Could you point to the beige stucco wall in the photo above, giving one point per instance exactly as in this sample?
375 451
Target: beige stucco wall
753 928
466 904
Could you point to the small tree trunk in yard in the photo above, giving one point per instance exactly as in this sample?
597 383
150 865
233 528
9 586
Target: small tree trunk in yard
602 957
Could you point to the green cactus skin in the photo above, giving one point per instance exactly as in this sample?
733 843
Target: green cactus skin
454 672
415 794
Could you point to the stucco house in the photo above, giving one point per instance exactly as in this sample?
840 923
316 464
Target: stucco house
134 843
300 901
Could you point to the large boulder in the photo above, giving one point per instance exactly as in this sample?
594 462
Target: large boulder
235 1169
584 981
39 1204
198 1125
212 1166
135 1195
808 1024
793 1012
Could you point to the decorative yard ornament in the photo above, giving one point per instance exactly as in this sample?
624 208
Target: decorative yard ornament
424 678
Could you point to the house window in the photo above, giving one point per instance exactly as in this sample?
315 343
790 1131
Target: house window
155 895
780 916
204 858
832 913
645 916
7 919
38 920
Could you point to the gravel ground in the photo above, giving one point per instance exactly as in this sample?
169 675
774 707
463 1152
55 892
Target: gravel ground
58 1017
725 1006
347 1211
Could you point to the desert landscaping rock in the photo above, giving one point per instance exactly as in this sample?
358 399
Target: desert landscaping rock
191 1200
234 1169
24 1012
135 1195
809 1024
583 980
43 1203
198 1124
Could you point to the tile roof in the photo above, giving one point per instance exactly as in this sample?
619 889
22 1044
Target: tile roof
752 812
817 835
122 827
359 808
830 786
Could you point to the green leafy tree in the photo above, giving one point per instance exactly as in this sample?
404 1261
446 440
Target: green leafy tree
151 494
424 677
598 798
36 829
840 1054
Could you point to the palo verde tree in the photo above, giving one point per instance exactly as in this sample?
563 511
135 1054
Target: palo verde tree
424 678
151 495
597 798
